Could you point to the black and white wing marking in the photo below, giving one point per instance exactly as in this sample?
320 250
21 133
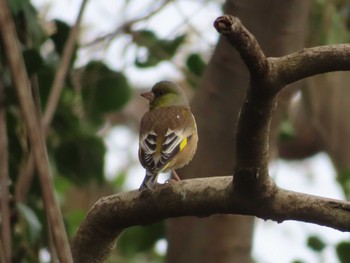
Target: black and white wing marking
156 159
148 147
169 148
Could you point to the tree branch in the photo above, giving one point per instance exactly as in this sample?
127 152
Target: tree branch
251 190
21 83
25 178
60 76
248 47
125 27
311 61
4 178
253 127
195 197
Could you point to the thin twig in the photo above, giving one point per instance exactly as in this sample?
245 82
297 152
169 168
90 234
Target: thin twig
24 180
126 26
22 85
4 178
60 76
25 177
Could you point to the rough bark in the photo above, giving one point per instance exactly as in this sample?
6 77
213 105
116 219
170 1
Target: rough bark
252 191
279 27
197 197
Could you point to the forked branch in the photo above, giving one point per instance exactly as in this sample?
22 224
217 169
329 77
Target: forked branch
253 192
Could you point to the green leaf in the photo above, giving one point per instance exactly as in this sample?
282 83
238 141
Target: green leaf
158 49
343 251
34 30
145 38
32 60
147 61
46 76
315 243
65 122
140 239
344 180
60 37
103 90
14 132
171 46
81 159
286 130
32 221
17 5
195 64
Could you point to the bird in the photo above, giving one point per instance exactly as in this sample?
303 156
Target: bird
168 133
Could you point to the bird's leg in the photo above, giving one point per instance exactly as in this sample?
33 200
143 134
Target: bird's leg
176 177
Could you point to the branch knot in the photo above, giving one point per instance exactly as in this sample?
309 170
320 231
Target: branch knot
227 24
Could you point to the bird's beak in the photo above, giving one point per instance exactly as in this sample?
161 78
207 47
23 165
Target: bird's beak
148 95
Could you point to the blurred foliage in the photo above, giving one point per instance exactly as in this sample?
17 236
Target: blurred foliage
315 243
143 239
81 159
157 50
344 181
286 130
195 65
343 252
103 90
329 22
75 150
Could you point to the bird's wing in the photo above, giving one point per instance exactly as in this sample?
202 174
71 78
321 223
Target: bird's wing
164 133
157 150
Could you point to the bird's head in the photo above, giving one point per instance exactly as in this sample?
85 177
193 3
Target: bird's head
165 94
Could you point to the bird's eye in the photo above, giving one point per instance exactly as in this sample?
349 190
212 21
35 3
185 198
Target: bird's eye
158 92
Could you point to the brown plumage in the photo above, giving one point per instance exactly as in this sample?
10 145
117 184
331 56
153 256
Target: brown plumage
168 133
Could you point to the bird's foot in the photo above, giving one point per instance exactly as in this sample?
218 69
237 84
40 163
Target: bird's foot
170 181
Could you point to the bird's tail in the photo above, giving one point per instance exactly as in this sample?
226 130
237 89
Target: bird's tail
150 181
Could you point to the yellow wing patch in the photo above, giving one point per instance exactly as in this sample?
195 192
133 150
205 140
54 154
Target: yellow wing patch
183 144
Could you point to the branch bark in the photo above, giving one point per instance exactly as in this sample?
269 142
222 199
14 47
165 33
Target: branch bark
60 76
309 62
251 190
21 83
195 197
4 179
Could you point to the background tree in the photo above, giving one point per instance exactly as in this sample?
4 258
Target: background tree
90 95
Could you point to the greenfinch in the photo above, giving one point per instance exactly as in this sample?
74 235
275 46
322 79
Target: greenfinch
168 132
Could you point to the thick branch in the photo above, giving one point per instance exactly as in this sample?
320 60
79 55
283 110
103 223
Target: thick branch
253 192
195 197
267 77
311 61
253 127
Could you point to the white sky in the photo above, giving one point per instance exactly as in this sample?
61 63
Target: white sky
273 243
